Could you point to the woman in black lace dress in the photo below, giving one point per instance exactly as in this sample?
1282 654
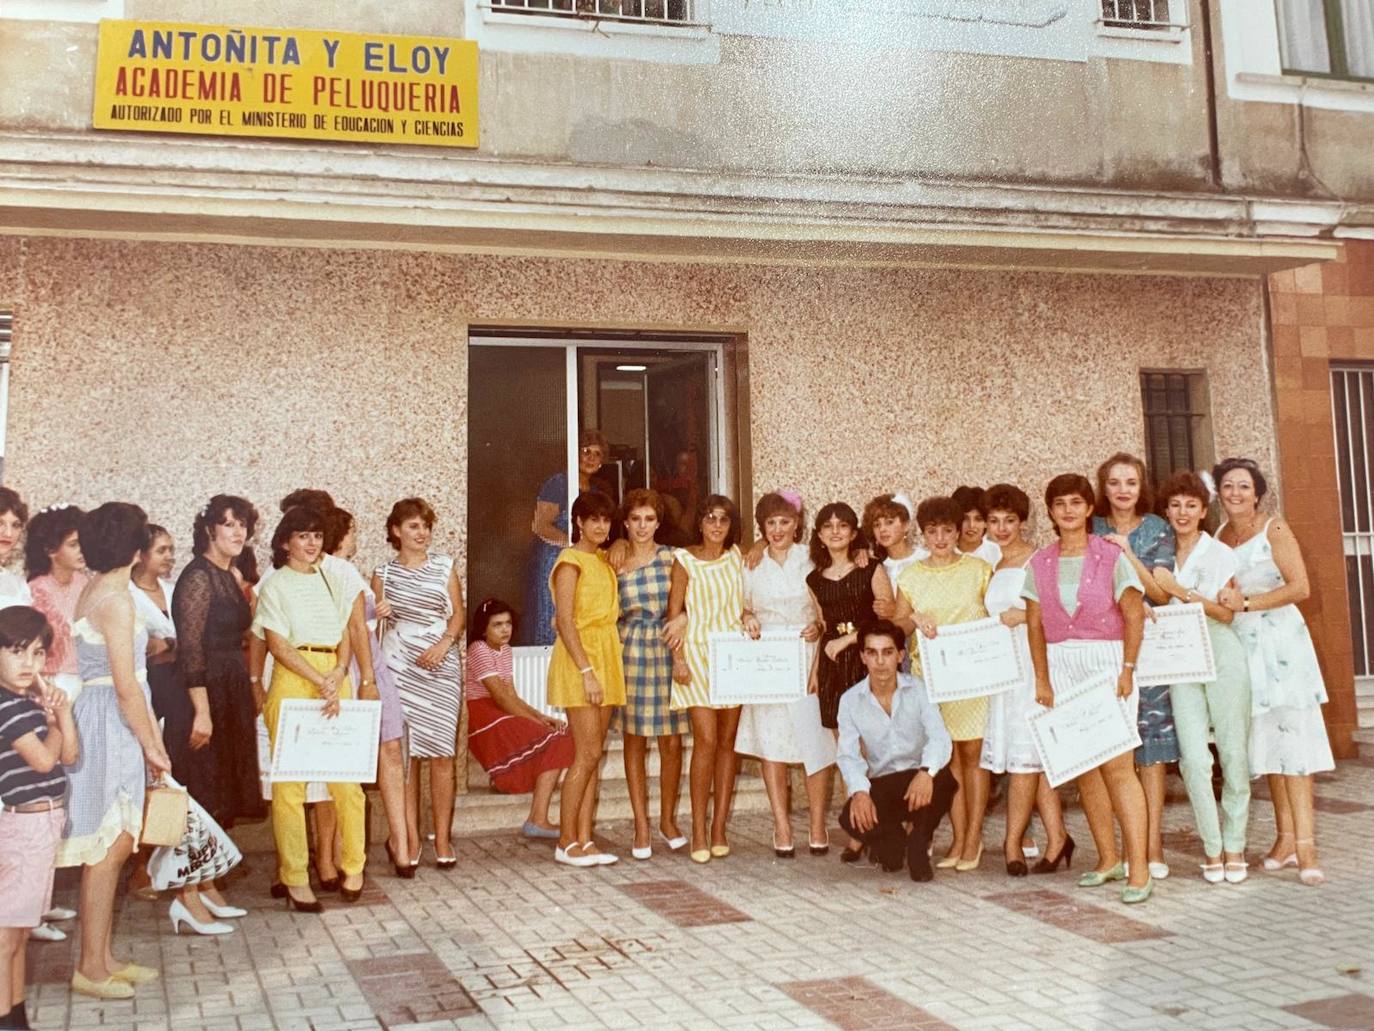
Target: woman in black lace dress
211 616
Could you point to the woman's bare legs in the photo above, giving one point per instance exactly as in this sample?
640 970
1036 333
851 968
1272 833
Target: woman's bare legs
669 783
589 736
391 785
1021 790
1152 782
99 881
542 797
441 794
636 779
701 773
1097 809
586 816
1286 836
1128 805
726 767
413 809
776 782
976 783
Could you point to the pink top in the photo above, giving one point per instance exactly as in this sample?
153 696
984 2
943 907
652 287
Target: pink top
58 603
484 662
1098 616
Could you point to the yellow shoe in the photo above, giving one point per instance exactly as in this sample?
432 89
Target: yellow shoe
949 862
106 989
701 855
132 973
720 851
965 865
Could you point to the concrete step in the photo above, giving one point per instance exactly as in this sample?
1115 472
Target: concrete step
1365 735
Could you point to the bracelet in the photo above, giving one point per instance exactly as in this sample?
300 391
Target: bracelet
255 680
585 670
1128 665
364 683
1245 604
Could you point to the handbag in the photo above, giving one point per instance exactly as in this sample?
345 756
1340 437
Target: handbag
164 814
203 853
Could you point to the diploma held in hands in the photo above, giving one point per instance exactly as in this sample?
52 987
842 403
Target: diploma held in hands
1177 648
746 672
967 660
1088 725
309 747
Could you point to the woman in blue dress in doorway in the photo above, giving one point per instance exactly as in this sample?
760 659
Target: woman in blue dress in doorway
550 528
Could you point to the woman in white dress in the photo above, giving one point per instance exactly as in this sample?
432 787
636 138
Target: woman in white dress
776 596
1007 744
1288 741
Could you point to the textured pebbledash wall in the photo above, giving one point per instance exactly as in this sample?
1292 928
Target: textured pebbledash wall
163 372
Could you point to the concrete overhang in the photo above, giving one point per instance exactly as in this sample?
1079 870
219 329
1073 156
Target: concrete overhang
310 196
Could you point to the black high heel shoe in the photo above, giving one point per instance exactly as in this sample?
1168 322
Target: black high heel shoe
303 907
328 887
351 894
1017 868
1045 865
278 890
405 870
852 855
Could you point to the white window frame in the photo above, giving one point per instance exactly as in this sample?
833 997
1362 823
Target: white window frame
1254 65
594 37
1172 45
61 10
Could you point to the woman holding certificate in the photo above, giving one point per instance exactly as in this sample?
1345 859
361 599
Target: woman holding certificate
303 614
1288 742
1085 617
945 588
586 674
708 585
776 597
1202 568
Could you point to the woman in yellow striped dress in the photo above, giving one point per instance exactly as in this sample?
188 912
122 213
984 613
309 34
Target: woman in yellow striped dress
708 585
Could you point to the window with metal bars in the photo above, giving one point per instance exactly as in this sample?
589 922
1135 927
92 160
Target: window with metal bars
653 12
1178 422
1327 38
1136 14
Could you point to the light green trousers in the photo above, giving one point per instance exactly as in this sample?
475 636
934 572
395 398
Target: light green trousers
1222 706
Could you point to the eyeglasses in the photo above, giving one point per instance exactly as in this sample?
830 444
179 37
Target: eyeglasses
716 517
592 449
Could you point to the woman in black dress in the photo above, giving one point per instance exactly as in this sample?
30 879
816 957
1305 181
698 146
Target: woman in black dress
211 616
844 593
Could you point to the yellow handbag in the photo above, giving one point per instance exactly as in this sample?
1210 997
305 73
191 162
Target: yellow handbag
164 815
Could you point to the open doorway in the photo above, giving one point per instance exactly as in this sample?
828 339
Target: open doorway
530 405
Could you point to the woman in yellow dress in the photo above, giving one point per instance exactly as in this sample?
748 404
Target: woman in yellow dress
708 586
586 677
945 588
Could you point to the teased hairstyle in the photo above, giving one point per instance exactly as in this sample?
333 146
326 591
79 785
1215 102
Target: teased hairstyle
1227 465
21 625
884 506
246 562
10 501
46 532
407 508
337 523
320 499
1006 497
589 504
1186 483
881 628
300 519
1064 485
640 497
594 438
213 514
971 499
485 613
1144 503
940 511
820 554
772 504
718 501
113 535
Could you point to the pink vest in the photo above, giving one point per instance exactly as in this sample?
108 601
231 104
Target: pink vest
1098 617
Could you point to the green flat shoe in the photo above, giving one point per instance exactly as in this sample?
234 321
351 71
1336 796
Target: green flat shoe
1131 896
1097 878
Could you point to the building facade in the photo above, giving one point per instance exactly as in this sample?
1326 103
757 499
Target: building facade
838 246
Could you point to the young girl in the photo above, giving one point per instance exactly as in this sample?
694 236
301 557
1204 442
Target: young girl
37 738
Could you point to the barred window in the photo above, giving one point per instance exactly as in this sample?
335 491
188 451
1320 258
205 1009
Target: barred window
1331 38
656 12
1178 422
1136 14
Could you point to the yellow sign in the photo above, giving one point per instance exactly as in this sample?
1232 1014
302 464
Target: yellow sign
221 81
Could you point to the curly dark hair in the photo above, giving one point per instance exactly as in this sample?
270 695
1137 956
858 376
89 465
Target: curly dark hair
337 523
1228 465
407 508
113 535
21 625
1007 497
820 554
215 513
712 501
47 530
590 504
300 519
10 501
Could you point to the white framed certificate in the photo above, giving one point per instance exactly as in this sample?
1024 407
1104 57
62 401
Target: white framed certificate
1177 649
1087 726
747 672
969 660
309 747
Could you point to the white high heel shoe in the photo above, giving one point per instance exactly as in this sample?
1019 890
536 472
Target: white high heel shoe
223 912
181 915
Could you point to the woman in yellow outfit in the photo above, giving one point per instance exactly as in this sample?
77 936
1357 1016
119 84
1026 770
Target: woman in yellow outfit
586 677
303 616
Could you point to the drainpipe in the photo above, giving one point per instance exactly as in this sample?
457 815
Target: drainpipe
1209 66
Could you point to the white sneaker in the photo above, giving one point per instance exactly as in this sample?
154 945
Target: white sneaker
60 913
48 933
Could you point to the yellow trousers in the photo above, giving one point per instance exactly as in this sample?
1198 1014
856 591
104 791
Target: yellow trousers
288 799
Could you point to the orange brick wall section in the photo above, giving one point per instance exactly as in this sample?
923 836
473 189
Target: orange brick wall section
1321 314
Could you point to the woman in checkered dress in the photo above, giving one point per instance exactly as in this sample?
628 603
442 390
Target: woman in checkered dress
644 583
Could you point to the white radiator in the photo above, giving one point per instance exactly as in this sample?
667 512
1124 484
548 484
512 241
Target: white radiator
531 665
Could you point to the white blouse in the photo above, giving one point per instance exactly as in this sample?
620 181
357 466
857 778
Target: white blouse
13 590
158 623
777 593
1209 567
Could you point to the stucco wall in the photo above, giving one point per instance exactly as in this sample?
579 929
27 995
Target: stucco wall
163 372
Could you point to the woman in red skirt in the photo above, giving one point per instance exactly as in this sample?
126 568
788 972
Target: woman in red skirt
521 749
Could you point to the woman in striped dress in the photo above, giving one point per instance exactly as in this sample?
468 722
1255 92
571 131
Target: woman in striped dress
644 584
420 648
708 585
1085 617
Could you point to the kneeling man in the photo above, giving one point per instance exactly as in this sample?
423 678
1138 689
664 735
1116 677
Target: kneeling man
894 755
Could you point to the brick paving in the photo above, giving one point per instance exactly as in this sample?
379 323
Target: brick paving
510 940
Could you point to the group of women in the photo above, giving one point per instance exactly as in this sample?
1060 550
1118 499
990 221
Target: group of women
633 622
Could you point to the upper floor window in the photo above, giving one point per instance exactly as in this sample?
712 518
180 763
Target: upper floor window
658 12
1136 14
1178 421
1333 38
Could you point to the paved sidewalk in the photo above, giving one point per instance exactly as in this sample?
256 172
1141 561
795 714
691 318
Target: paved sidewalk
509 939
